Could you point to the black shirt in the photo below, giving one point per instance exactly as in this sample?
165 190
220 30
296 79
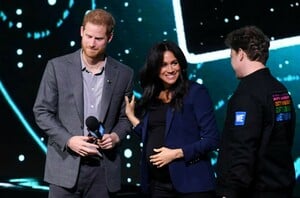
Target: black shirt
155 139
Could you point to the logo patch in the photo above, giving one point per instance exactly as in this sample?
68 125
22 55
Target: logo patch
282 104
240 117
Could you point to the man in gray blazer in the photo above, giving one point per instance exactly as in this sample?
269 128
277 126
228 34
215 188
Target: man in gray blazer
73 87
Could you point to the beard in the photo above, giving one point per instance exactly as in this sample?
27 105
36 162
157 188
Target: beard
92 52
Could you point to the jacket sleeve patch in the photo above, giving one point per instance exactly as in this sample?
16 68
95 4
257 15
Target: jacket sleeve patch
282 105
240 118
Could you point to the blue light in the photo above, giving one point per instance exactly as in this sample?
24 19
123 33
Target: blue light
21 117
71 3
66 14
137 95
94 5
3 16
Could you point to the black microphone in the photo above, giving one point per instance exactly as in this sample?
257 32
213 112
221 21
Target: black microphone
95 128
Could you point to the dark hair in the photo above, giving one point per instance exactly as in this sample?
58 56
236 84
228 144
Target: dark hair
252 40
100 17
149 75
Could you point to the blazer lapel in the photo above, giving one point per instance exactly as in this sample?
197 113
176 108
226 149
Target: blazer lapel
111 76
75 75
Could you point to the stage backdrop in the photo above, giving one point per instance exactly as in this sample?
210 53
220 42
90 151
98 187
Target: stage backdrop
33 32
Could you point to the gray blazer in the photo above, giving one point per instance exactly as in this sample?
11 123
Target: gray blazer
58 111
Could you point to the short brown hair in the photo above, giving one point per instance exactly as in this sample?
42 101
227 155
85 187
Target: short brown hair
252 40
100 17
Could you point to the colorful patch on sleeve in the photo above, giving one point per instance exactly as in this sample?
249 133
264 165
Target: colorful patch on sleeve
282 105
240 118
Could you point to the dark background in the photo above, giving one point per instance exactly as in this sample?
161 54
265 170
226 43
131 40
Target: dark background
48 31
213 19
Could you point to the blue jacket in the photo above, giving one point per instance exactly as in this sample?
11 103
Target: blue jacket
194 129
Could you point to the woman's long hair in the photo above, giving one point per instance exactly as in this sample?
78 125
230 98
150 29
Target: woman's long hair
152 85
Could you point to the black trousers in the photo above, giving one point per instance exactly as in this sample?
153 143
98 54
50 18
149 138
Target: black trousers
265 194
275 194
166 190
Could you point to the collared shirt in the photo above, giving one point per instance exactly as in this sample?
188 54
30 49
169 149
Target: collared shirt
92 90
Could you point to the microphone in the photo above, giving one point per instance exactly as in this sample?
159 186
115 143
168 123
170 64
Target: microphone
95 128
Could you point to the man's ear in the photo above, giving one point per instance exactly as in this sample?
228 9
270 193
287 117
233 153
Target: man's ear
241 54
81 31
110 37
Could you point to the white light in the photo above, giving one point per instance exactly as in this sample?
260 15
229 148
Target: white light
19 11
199 81
140 19
128 137
21 157
51 2
129 180
19 25
19 51
236 17
72 43
20 64
219 54
126 4
226 20
128 165
39 56
272 9
127 51
127 153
